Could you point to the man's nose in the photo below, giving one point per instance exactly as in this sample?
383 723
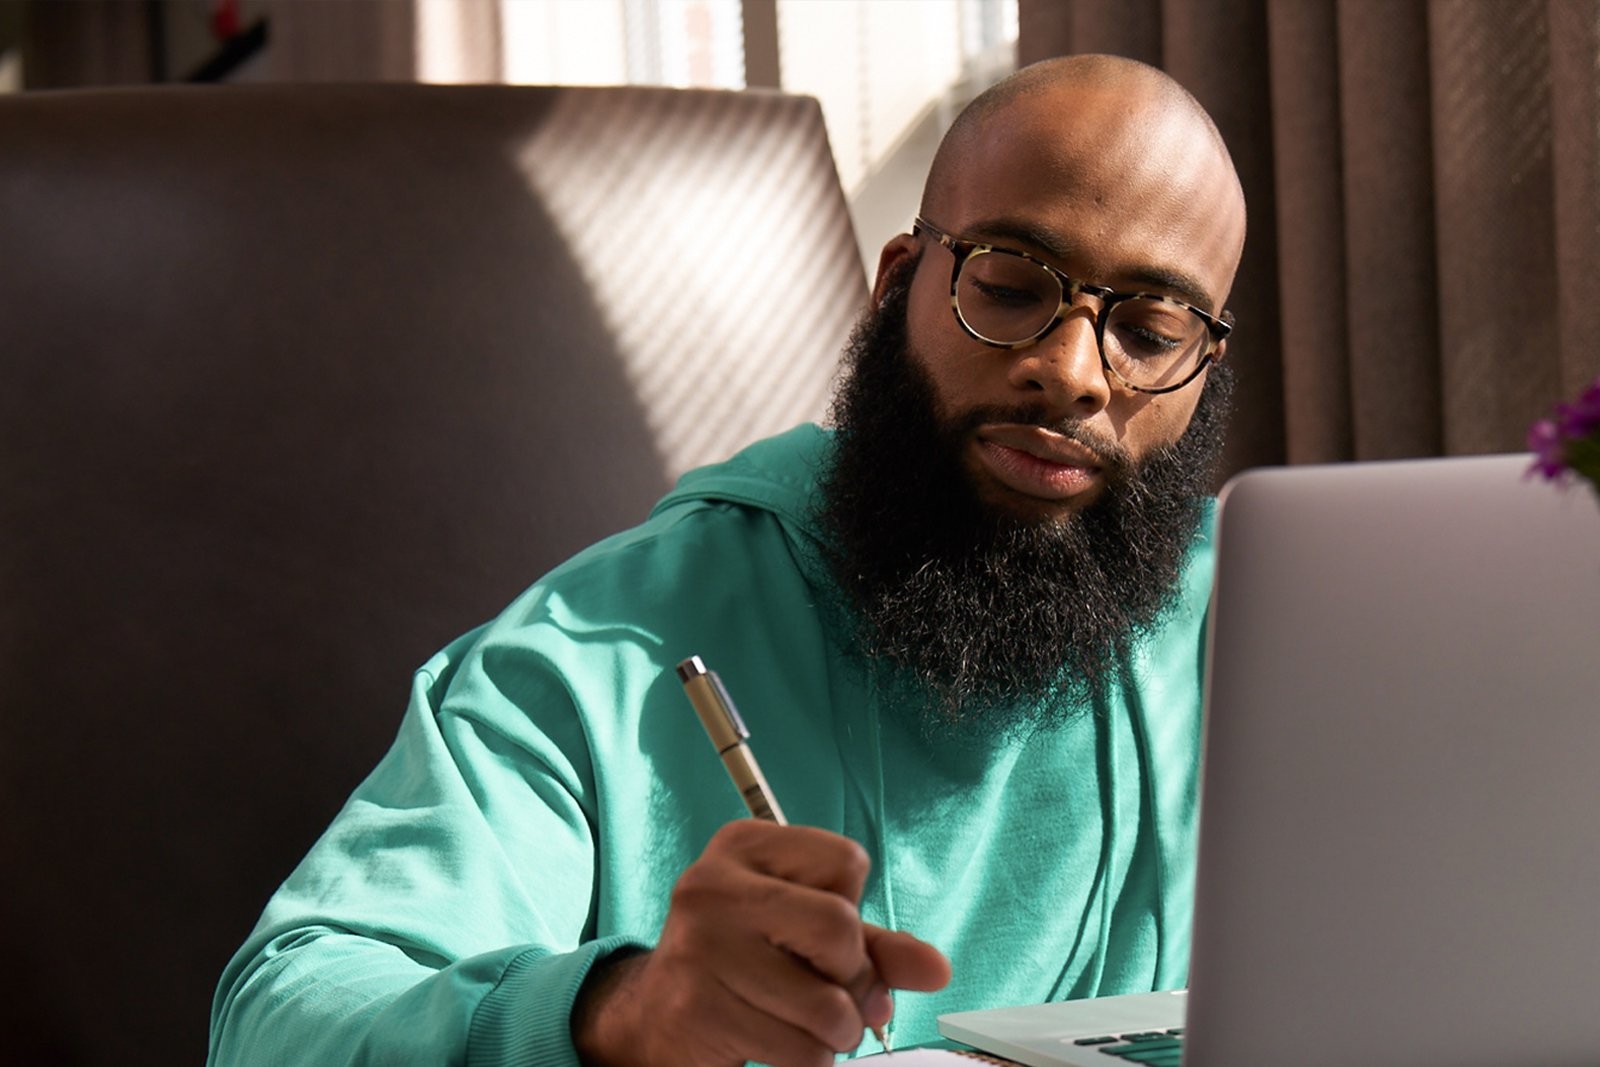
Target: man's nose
1065 367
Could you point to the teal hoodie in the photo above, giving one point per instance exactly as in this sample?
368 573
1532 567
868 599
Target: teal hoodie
550 781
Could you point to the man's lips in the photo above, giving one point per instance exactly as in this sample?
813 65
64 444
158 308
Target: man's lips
1038 462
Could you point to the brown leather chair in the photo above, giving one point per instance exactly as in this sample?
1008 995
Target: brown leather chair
299 383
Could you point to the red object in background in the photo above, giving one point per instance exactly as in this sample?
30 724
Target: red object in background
224 18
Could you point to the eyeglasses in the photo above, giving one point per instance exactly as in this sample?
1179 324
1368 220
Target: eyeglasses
1008 299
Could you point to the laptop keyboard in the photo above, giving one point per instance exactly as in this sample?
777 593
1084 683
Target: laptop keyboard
1153 1048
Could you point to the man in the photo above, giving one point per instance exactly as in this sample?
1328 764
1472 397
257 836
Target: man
965 632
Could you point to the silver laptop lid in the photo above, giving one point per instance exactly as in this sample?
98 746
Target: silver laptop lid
1400 826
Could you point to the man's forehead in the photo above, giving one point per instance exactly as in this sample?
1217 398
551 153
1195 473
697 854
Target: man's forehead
1101 135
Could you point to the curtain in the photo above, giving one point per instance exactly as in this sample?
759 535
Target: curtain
91 42
1422 271
115 42
341 40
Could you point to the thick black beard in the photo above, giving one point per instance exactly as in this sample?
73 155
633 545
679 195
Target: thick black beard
985 618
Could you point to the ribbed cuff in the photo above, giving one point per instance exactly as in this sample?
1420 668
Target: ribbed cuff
526 1020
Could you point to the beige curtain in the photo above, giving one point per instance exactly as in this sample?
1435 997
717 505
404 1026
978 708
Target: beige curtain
1422 274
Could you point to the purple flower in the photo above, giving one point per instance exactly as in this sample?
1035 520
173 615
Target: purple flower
1568 442
1582 417
1549 457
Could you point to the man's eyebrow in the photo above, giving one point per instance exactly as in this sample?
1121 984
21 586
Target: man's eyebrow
1162 279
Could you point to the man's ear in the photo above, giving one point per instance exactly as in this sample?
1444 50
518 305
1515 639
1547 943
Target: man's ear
900 248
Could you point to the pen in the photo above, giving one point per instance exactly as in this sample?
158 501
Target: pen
728 735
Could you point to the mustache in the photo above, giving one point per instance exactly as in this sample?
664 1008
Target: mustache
1113 457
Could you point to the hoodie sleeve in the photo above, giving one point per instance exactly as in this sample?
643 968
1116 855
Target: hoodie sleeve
547 787
442 917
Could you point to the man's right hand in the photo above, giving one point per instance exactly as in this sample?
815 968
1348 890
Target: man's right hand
763 957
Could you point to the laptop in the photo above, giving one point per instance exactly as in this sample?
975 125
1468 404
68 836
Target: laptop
1399 844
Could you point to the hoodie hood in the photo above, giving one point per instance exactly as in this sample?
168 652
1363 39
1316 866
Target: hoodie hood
778 474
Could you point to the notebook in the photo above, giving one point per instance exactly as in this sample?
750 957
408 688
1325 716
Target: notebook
1399 847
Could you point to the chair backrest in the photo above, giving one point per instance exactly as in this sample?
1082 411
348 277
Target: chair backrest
296 384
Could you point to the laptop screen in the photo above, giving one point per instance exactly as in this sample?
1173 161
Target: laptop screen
1400 816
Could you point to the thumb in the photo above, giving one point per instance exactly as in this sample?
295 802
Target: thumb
906 962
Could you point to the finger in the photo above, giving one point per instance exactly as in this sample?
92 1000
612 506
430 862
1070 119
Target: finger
786 988
871 996
721 899
804 855
823 929
906 962
762 933
727 1027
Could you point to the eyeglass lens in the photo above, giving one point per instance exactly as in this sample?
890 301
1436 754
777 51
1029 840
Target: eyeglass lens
1006 299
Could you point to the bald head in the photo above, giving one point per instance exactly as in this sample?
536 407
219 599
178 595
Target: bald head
1057 88
1105 165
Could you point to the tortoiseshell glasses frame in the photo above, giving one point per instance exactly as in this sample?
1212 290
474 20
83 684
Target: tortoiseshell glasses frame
1143 349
